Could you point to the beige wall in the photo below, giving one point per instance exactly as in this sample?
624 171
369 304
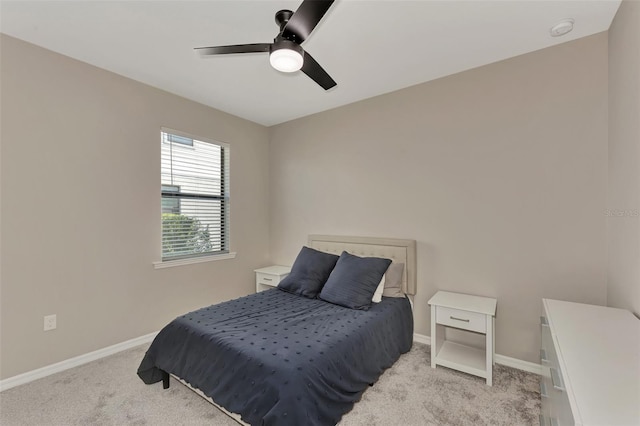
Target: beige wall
623 286
80 176
499 173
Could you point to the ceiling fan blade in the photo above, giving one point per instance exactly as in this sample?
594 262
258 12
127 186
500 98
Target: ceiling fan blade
236 48
305 19
313 69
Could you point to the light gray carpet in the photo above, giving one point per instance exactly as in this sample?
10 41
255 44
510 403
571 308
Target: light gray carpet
108 392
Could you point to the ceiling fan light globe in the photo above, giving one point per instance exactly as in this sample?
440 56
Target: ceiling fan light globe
286 60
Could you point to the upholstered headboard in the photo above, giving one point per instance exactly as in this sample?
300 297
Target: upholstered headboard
395 249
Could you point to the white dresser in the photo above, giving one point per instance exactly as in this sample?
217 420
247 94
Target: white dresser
590 358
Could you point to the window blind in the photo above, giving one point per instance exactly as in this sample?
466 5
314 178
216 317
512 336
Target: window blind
195 196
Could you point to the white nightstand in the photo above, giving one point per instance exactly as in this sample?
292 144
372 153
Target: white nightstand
270 276
471 313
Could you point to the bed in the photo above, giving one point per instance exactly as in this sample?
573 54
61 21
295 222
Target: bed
277 358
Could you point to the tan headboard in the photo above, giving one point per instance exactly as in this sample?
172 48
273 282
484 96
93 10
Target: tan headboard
395 249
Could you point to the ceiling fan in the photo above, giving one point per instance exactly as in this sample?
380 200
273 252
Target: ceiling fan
285 53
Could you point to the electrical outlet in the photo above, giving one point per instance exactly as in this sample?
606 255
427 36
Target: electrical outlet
49 322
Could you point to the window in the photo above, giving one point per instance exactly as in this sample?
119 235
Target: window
170 204
195 196
179 139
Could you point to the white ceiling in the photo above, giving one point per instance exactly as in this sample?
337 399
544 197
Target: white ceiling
368 47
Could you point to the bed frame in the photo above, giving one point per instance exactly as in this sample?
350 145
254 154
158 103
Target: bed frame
398 250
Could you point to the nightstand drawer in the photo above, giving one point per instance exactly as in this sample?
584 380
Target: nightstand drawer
465 320
267 279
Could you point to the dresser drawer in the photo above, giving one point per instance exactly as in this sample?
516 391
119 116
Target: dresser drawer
545 397
556 407
561 410
465 320
548 356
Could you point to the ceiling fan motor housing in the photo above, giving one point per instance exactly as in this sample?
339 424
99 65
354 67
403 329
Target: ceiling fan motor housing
283 43
282 17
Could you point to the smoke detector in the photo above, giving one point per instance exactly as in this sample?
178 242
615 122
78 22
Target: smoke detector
561 28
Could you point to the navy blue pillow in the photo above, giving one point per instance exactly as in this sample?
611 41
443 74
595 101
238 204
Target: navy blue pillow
354 280
308 273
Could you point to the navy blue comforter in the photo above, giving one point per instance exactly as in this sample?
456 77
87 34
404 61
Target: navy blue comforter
281 359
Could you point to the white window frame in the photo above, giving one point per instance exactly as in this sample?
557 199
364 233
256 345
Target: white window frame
207 257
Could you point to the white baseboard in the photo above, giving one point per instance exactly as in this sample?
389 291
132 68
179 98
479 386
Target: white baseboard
421 338
30 376
519 364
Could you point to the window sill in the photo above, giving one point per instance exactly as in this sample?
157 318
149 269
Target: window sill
201 259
